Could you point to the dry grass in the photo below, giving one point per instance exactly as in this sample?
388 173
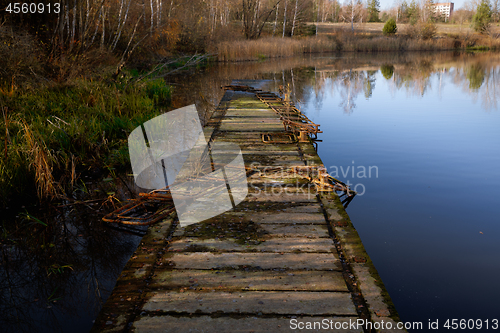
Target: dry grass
366 38
244 50
257 49
52 135
41 163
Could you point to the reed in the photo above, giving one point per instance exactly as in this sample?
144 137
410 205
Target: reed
346 41
40 160
257 49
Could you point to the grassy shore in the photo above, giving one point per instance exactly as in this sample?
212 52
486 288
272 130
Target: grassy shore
53 135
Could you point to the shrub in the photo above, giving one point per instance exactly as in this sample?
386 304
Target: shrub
412 31
159 92
390 27
429 30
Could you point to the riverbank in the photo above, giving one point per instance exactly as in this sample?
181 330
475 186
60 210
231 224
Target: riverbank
57 133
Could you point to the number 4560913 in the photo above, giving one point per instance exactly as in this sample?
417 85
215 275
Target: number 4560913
33 8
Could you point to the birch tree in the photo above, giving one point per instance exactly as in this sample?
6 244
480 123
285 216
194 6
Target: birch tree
353 10
255 15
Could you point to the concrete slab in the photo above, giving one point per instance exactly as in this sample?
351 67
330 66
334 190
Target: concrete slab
279 245
371 292
270 153
250 280
250 113
255 324
299 230
208 260
261 146
284 195
249 207
228 127
265 302
258 121
288 218
238 136
229 224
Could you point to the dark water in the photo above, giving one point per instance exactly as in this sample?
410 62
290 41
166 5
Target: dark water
58 269
422 134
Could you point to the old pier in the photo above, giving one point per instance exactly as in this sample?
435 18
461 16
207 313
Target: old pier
288 256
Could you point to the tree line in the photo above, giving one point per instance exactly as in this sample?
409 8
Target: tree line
127 26
415 11
123 25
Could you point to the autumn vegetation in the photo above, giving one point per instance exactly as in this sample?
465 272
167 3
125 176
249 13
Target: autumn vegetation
141 34
74 83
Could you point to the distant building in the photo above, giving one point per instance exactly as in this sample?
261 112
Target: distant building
444 9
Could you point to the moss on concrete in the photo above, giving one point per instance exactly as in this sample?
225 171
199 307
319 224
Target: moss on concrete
243 231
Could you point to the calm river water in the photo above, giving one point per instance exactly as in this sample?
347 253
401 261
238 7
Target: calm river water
416 135
430 218
427 126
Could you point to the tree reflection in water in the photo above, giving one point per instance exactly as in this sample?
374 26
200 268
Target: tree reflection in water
475 74
346 77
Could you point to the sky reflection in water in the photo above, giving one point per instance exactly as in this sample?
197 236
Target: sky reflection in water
430 220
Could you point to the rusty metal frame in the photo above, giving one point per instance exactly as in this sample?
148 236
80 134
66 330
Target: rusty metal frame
136 211
275 138
293 120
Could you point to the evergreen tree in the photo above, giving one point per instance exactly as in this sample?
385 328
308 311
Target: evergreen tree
481 20
390 27
373 10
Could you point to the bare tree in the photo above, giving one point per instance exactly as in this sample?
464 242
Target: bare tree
276 19
294 21
284 18
352 10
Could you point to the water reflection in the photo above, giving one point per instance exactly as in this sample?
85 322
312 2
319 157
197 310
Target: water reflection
57 270
481 80
350 76
387 71
475 75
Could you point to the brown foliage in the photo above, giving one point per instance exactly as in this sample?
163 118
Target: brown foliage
19 52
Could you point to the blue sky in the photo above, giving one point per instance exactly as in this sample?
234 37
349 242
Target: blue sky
386 4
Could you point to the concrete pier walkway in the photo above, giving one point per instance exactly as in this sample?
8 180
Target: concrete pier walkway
288 257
